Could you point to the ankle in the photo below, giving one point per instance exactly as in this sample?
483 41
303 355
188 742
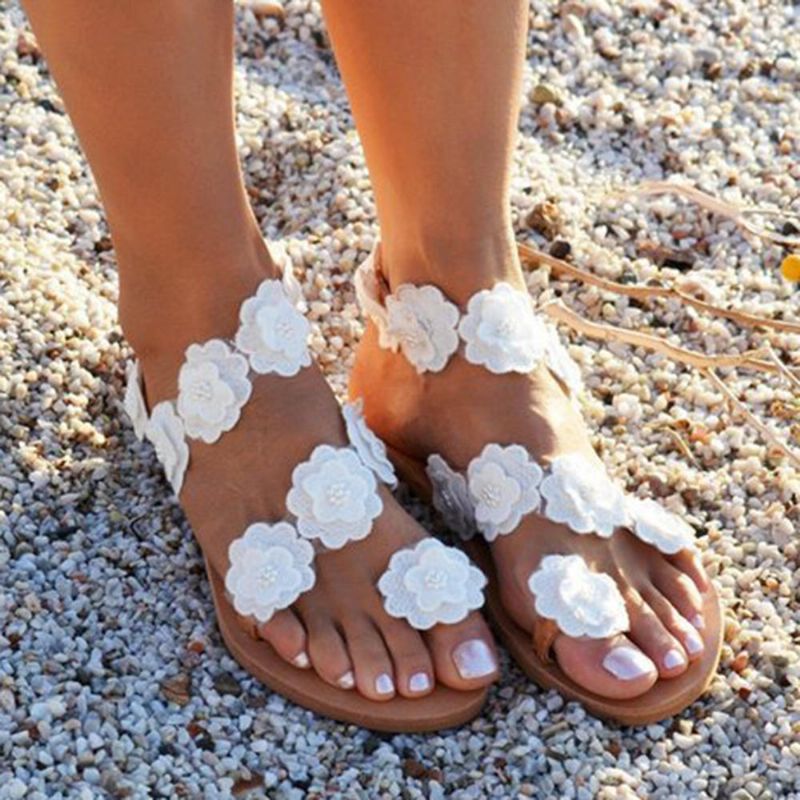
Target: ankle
459 265
181 298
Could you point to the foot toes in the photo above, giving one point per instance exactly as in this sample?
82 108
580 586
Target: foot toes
682 593
287 636
328 653
676 624
373 664
688 561
615 668
413 668
464 653
652 637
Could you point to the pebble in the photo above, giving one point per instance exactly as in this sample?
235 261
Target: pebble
97 692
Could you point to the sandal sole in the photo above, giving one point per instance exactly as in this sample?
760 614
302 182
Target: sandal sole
441 709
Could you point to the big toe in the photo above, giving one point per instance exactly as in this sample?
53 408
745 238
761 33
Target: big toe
464 654
615 667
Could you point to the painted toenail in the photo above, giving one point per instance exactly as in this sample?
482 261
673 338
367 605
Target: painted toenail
474 659
384 684
694 644
419 682
674 658
301 661
699 622
347 681
627 663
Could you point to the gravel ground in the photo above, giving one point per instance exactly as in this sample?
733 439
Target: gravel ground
113 679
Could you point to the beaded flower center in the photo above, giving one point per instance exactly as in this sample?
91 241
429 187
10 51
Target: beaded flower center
202 391
338 494
491 495
435 579
268 575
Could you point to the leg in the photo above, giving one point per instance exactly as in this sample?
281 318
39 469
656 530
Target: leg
437 111
152 103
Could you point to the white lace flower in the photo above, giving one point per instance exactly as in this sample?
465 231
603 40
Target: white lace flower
451 497
503 483
272 332
579 601
655 525
334 497
134 403
166 432
270 568
430 584
371 450
580 494
560 363
501 331
212 388
423 322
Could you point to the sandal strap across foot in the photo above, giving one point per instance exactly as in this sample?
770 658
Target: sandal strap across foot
333 499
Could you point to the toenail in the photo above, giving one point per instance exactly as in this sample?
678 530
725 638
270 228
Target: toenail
384 684
674 658
699 622
694 644
627 663
347 681
419 682
301 660
474 659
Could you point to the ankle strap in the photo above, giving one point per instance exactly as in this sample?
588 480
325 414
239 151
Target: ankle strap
499 329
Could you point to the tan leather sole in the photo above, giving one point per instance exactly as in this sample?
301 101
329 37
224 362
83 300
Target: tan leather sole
665 698
442 708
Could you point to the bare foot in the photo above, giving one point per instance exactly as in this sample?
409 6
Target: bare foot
339 628
455 413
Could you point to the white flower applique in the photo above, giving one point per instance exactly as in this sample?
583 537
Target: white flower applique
430 584
212 388
658 527
579 601
501 331
334 497
423 322
560 362
371 450
270 568
580 494
451 497
503 483
272 333
165 431
134 402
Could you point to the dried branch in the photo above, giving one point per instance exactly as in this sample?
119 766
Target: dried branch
639 292
610 333
763 429
737 214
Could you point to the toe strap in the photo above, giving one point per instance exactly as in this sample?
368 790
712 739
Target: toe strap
430 584
504 483
576 600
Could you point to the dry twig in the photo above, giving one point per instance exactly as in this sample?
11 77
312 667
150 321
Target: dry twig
763 429
639 292
610 333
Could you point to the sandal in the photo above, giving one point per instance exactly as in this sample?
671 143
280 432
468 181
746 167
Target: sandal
333 500
500 331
